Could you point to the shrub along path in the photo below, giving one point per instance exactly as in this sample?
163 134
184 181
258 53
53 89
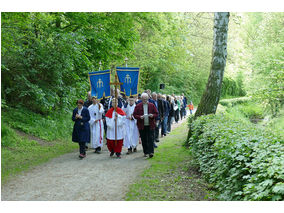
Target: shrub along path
98 177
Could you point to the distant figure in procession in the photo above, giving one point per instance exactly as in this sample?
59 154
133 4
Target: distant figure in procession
131 131
111 116
190 106
81 129
96 111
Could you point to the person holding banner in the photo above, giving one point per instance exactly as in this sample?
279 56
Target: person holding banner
81 129
96 125
115 121
131 131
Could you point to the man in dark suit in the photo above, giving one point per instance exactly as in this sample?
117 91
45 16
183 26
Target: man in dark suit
156 99
166 115
145 113
88 101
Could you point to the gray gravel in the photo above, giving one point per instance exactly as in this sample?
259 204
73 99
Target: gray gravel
97 177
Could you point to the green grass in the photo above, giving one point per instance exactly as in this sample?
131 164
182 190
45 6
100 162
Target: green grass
247 111
53 127
20 152
276 124
250 110
172 174
229 102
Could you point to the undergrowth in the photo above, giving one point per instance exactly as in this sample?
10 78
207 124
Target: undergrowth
242 161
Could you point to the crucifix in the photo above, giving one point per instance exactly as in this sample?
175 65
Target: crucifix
115 83
126 59
100 63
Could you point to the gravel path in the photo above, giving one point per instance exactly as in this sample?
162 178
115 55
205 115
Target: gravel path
97 177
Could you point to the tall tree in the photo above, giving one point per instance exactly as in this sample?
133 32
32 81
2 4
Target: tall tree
211 96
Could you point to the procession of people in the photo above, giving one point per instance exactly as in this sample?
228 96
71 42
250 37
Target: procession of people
126 121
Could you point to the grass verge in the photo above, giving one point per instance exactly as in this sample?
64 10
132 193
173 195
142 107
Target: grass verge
21 151
172 174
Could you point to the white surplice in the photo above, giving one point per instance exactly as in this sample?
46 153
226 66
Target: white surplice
111 127
131 137
96 125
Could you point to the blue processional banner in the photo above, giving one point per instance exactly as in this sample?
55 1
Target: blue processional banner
99 81
129 76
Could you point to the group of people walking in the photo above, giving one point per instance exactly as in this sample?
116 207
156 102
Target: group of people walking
135 120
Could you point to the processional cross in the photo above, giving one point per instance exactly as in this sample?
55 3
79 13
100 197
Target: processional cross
115 83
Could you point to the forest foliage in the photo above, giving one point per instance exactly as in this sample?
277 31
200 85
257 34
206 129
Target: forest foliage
46 56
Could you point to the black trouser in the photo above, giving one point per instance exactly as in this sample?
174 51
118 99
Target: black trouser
105 126
147 138
177 115
82 148
181 113
169 125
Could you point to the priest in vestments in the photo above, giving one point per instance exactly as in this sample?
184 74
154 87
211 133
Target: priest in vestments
131 130
96 111
111 116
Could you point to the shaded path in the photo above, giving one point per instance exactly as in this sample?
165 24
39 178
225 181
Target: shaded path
98 177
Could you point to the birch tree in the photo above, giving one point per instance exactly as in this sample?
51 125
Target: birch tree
212 93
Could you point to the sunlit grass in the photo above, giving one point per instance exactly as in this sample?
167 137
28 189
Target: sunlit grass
166 178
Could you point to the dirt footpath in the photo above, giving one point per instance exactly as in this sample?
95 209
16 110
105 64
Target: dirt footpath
97 177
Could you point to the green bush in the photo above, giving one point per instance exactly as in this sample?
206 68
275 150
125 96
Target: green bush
231 87
251 110
242 161
234 101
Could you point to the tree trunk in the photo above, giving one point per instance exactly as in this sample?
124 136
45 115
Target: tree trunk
211 96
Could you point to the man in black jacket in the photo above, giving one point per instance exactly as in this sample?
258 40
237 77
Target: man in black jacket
164 123
160 106
88 102
170 100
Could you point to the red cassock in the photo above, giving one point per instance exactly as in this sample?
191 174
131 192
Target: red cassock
111 144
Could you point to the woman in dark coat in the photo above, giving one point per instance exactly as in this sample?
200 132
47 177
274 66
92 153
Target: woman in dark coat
81 129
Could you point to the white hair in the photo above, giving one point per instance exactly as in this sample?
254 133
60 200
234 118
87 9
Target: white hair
144 94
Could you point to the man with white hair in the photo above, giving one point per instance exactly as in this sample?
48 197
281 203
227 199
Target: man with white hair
145 113
131 137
